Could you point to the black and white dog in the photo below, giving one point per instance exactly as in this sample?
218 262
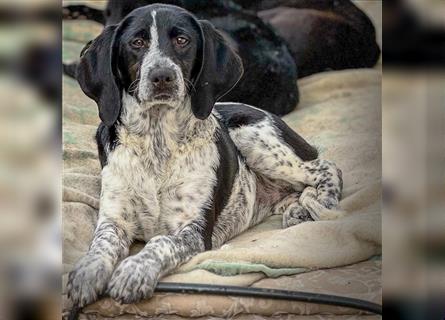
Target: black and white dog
180 172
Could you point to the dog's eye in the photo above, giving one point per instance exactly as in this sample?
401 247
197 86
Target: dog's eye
181 41
138 43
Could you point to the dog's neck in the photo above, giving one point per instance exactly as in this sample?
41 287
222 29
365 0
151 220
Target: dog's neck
164 129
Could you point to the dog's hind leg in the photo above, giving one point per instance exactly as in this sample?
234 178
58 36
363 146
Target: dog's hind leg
295 214
271 149
311 200
292 211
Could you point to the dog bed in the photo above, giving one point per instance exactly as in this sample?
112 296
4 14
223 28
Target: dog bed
340 114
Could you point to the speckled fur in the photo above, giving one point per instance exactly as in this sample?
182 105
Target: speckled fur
158 185
158 182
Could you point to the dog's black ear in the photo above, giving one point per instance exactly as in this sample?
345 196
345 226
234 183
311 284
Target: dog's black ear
218 67
96 77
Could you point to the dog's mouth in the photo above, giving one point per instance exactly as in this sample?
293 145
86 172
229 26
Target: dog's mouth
163 97
162 100
160 96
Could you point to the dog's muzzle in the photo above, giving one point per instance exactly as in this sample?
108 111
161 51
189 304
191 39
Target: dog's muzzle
163 84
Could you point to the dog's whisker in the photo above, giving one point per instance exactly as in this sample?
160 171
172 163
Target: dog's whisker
133 86
189 84
134 83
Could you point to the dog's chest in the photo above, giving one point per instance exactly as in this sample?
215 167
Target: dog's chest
168 183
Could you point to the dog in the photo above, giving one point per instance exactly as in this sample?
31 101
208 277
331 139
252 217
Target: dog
326 41
181 171
270 78
321 34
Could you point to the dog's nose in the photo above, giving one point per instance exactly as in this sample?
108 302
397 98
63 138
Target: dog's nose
163 77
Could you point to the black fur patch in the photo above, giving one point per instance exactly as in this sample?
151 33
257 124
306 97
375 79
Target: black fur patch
301 147
105 135
235 115
225 176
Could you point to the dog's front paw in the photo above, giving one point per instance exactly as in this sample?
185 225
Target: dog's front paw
133 280
88 279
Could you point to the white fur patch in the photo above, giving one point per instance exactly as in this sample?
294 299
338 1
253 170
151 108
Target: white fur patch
154 46
163 172
153 59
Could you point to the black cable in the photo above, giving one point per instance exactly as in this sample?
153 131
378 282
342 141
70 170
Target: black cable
193 288
328 299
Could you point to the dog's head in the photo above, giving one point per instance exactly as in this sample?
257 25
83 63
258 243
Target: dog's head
161 55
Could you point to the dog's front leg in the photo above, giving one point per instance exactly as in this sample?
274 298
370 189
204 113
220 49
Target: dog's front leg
136 277
91 273
110 244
